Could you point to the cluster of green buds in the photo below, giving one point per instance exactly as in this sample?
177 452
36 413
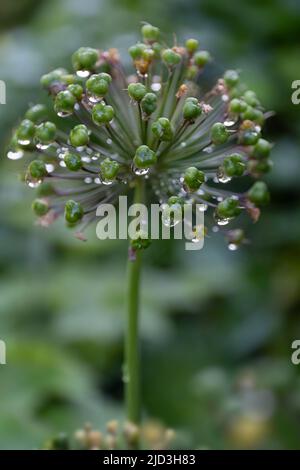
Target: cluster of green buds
108 128
150 435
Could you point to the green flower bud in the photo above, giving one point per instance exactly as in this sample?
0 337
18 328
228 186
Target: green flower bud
237 106
141 241
201 58
97 86
219 133
102 114
193 178
259 194
249 137
163 129
137 91
52 77
171 57
64 102
254 115
72 161
262 149
148 54
175 200
85 58
150 33
157 47
46 132
228 208
25 132
191 109
109 170
234 165
231 78
144 157
40 207
79 136
235 237
73 212
251 98
76 90
37 113
191 45
259 167
149 103
37 169
137 50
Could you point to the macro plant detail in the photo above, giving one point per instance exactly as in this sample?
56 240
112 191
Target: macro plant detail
157 134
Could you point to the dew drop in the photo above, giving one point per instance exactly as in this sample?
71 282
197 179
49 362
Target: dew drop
62 164
229 123
88 180
183 144
50 167
232 246
222 177
140 171
86 159
208 149
94 99
63 114
97 181
83 73
225 98
202 207
42 146
155 86
15 155
223 221
32 183
23 141
109 141
80 149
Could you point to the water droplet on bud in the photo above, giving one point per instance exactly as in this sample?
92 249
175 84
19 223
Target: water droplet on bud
88 180
32 183
63 114
15 155
23 141
42 146
232 246
83 73
140 171
222 177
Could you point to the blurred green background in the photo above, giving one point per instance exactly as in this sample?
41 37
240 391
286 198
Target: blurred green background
216 326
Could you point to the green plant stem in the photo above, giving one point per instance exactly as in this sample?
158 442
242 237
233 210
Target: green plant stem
132 350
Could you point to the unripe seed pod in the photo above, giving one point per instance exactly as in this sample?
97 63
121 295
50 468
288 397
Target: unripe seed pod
262 149
249 137
149 103
25 132
97 86
37 113
52 77
137 91
76 90
171 57
231 78
46 132
201 58
79 136
191 45
73 161
144 157
163 129
251 98
234 165
37 169
85 58
193 178
259 194
102 114
64 102
40 207
191 72
259 167
228 208
253 114
148 54
150 33
73 212
191 109
237 106
109 169
136 50
219 133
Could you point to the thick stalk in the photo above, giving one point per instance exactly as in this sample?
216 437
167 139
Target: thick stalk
132 350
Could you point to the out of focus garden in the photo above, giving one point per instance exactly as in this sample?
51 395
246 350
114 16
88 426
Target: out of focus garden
217 326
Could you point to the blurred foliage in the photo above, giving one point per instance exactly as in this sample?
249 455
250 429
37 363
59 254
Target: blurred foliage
216 327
